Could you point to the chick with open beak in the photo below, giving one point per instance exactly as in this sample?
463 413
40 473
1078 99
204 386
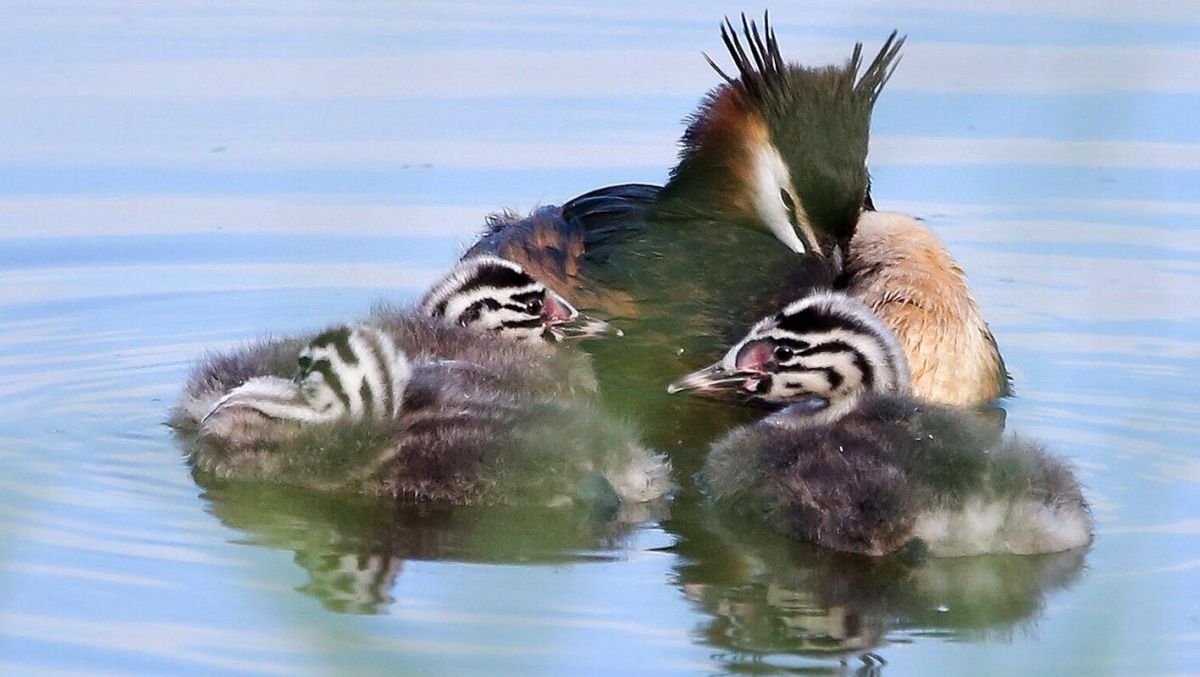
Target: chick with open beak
745 372
816 350
495 295
563 321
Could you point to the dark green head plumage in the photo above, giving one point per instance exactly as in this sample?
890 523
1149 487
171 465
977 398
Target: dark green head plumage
784 145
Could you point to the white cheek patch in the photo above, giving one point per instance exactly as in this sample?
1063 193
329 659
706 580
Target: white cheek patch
321 396
770 177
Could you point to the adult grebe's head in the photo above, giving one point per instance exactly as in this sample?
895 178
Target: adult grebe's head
783 146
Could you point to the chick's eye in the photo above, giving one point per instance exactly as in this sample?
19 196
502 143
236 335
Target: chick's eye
534 307
783 353
787 200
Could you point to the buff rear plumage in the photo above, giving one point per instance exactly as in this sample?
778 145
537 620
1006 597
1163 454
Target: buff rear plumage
899 268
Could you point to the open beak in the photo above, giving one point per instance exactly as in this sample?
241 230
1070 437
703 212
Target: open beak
715 381
564 322
582 326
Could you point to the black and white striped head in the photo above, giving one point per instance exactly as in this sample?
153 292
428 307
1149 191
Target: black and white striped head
353 371
345 373
825 349
491 294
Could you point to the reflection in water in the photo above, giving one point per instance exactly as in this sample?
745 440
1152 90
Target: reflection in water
768 596
354 547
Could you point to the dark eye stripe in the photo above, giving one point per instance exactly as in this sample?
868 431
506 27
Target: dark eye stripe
794 344
794 219
513 324
828 347
527 296
474 310
303 367
790 204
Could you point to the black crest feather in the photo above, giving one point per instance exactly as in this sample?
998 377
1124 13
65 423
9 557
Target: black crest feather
760 77
762 72
880 71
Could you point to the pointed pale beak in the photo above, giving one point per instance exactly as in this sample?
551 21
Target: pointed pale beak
714 381
582 327
564 322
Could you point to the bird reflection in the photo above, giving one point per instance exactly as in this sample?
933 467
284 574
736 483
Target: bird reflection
354 548
768 598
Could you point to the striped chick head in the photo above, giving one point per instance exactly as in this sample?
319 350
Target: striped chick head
825 349
353 371
491 294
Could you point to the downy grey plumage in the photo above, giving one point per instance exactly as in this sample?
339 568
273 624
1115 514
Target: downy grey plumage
854 463
456 402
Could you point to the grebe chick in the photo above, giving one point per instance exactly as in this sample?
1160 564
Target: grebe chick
457 321
488 293
855 463
360 417
424 406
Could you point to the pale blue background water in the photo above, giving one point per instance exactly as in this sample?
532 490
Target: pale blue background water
176 177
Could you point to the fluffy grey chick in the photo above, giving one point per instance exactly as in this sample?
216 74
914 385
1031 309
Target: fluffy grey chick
855 464
420 407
